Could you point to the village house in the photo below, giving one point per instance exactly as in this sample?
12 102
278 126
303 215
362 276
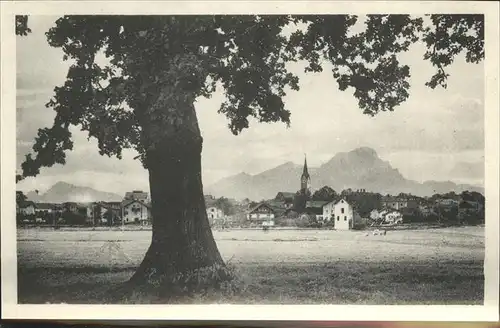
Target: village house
71 207
286 198
262 212
214 213
44 208
345 216
398 203
137 195
468 208
135 211
100 212
447 202
319 208
27 208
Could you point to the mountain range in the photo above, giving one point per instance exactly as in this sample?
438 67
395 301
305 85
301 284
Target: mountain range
64 192
360 168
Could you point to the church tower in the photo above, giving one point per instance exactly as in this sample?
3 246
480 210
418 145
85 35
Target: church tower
305 179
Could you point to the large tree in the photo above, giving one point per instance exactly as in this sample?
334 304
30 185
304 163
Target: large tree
143 98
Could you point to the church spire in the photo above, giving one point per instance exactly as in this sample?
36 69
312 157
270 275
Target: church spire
305 179
305 173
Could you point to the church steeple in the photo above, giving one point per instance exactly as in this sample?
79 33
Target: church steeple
305 179
305 172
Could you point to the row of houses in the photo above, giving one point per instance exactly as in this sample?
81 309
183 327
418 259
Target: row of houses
341 213
135 208
344 214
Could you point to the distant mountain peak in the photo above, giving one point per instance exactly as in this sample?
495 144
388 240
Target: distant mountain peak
365 151
360 168
63 191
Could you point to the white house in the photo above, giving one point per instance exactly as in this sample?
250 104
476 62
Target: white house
345 215
214 213
135 211
328 211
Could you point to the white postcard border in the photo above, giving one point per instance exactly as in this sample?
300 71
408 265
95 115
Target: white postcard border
487 312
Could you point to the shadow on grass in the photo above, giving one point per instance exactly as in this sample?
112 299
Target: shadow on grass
282 283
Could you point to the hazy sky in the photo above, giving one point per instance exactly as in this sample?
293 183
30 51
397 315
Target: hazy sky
436 135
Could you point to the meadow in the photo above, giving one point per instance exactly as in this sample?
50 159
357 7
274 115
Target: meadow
428 266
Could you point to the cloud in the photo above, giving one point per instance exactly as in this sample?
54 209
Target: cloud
425 137
468 170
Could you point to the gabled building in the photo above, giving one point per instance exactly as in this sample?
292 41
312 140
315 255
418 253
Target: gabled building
345 215
104 213
135 211
447 202
316 207
286 198
263 212
44 208
214 213
137 195
397 203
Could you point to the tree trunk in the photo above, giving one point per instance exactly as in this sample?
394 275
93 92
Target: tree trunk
183 256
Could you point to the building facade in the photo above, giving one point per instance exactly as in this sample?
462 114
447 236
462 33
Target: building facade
346 217
135 211
398 203
261 212
137 195
214 213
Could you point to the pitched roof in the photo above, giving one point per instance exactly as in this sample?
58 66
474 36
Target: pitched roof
274 209
136 194
316 203
45 206
127 202
276 203
285 195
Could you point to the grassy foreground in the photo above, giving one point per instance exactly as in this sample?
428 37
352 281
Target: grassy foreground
443 266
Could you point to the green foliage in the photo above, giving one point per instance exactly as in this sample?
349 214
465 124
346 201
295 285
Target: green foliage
365 202
326 193
20 198
299 201
73 218
225 205
449 36
22 25
130 101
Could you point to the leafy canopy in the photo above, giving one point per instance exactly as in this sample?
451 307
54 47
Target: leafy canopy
189 56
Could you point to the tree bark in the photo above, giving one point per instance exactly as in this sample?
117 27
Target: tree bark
183 256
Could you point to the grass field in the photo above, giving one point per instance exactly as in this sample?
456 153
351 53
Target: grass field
432 266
